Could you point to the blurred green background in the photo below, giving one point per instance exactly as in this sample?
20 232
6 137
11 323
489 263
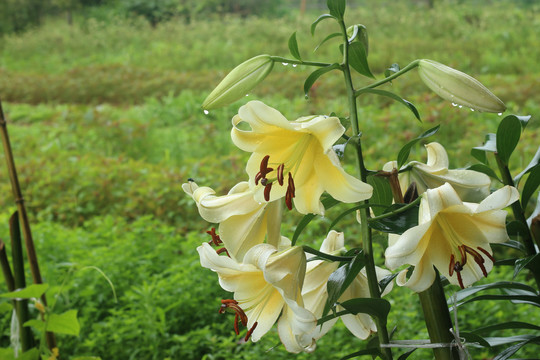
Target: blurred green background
103 104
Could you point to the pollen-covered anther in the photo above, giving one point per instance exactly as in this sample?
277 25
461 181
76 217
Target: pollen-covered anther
216 240
263 171
280 174
223 250
289 195
267 189
457 266
250 331
240 315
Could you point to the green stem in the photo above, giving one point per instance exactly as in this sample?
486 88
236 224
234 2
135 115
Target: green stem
23 217
519 214
6 268
382 331
395 75
298 62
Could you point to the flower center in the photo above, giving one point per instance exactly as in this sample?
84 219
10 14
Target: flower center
239 317
267 176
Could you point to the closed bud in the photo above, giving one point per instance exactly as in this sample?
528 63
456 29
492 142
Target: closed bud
239 82
458 87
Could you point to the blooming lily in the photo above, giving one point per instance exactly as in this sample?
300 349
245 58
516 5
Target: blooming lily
294 159
243 222
453 236
471 186
315 292
266 283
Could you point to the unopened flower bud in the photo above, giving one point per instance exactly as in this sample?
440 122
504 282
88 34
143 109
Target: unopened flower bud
358 33
458 87
239 82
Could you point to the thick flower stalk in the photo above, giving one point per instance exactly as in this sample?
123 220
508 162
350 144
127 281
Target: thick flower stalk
453 236
471 186
315 292
294 159
265 284
243 222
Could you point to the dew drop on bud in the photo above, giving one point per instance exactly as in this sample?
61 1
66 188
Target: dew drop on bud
285 64
294 65
460 106
454 104
472 109
206 112
499 114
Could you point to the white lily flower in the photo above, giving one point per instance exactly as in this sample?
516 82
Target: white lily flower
243 222
294 159
453 236
471 186
268 282
315 292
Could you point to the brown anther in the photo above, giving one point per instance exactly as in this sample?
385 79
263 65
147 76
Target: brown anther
462 250
236 319
258 177
288 200
487 254
250 331
216 240
280 174
267 189
264 165
460 280
452 263
290 185
239 317
223 250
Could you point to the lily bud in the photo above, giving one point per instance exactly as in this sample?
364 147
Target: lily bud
458 87
359 33
239 81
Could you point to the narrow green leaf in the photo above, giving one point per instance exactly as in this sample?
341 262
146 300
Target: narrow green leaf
484 169
372 352
385 281
462 294
327 202
315 75
508 134
318 20
474 338
399 223
340 279
31 291
293 47
347 212
403 154
331 36
535 161
382 193
506 326
512 244
532 183
358 59
530 262
406 355
522 299
337 8
498 341
511 350
479 155
324 256
378 308
392 96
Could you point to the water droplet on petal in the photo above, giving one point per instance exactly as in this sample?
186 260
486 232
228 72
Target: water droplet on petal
206 112
285 64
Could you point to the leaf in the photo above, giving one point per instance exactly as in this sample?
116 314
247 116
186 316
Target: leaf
293 47
497 341
507 325
327 202
399 223
382 193
393 96
507 138
345 213
403 154
512 244
340 280
378 308
31 291
385 281
517 228
524 120
358 59
5 307
521 299
535 161
331 36
372 352
532 183
484 169
65 323
509 351
337 8
318 20
530 262
324 256
315 75
462 294
490 145
474 338
394 68
406 355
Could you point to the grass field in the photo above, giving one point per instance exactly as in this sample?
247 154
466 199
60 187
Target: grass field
105 121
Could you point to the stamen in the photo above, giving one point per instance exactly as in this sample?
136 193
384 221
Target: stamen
250 331
216 240
267 189
264 164
219 251
452 263
280 174
487 254
460 280
288 200
236 324
462 250
258 177
290 186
